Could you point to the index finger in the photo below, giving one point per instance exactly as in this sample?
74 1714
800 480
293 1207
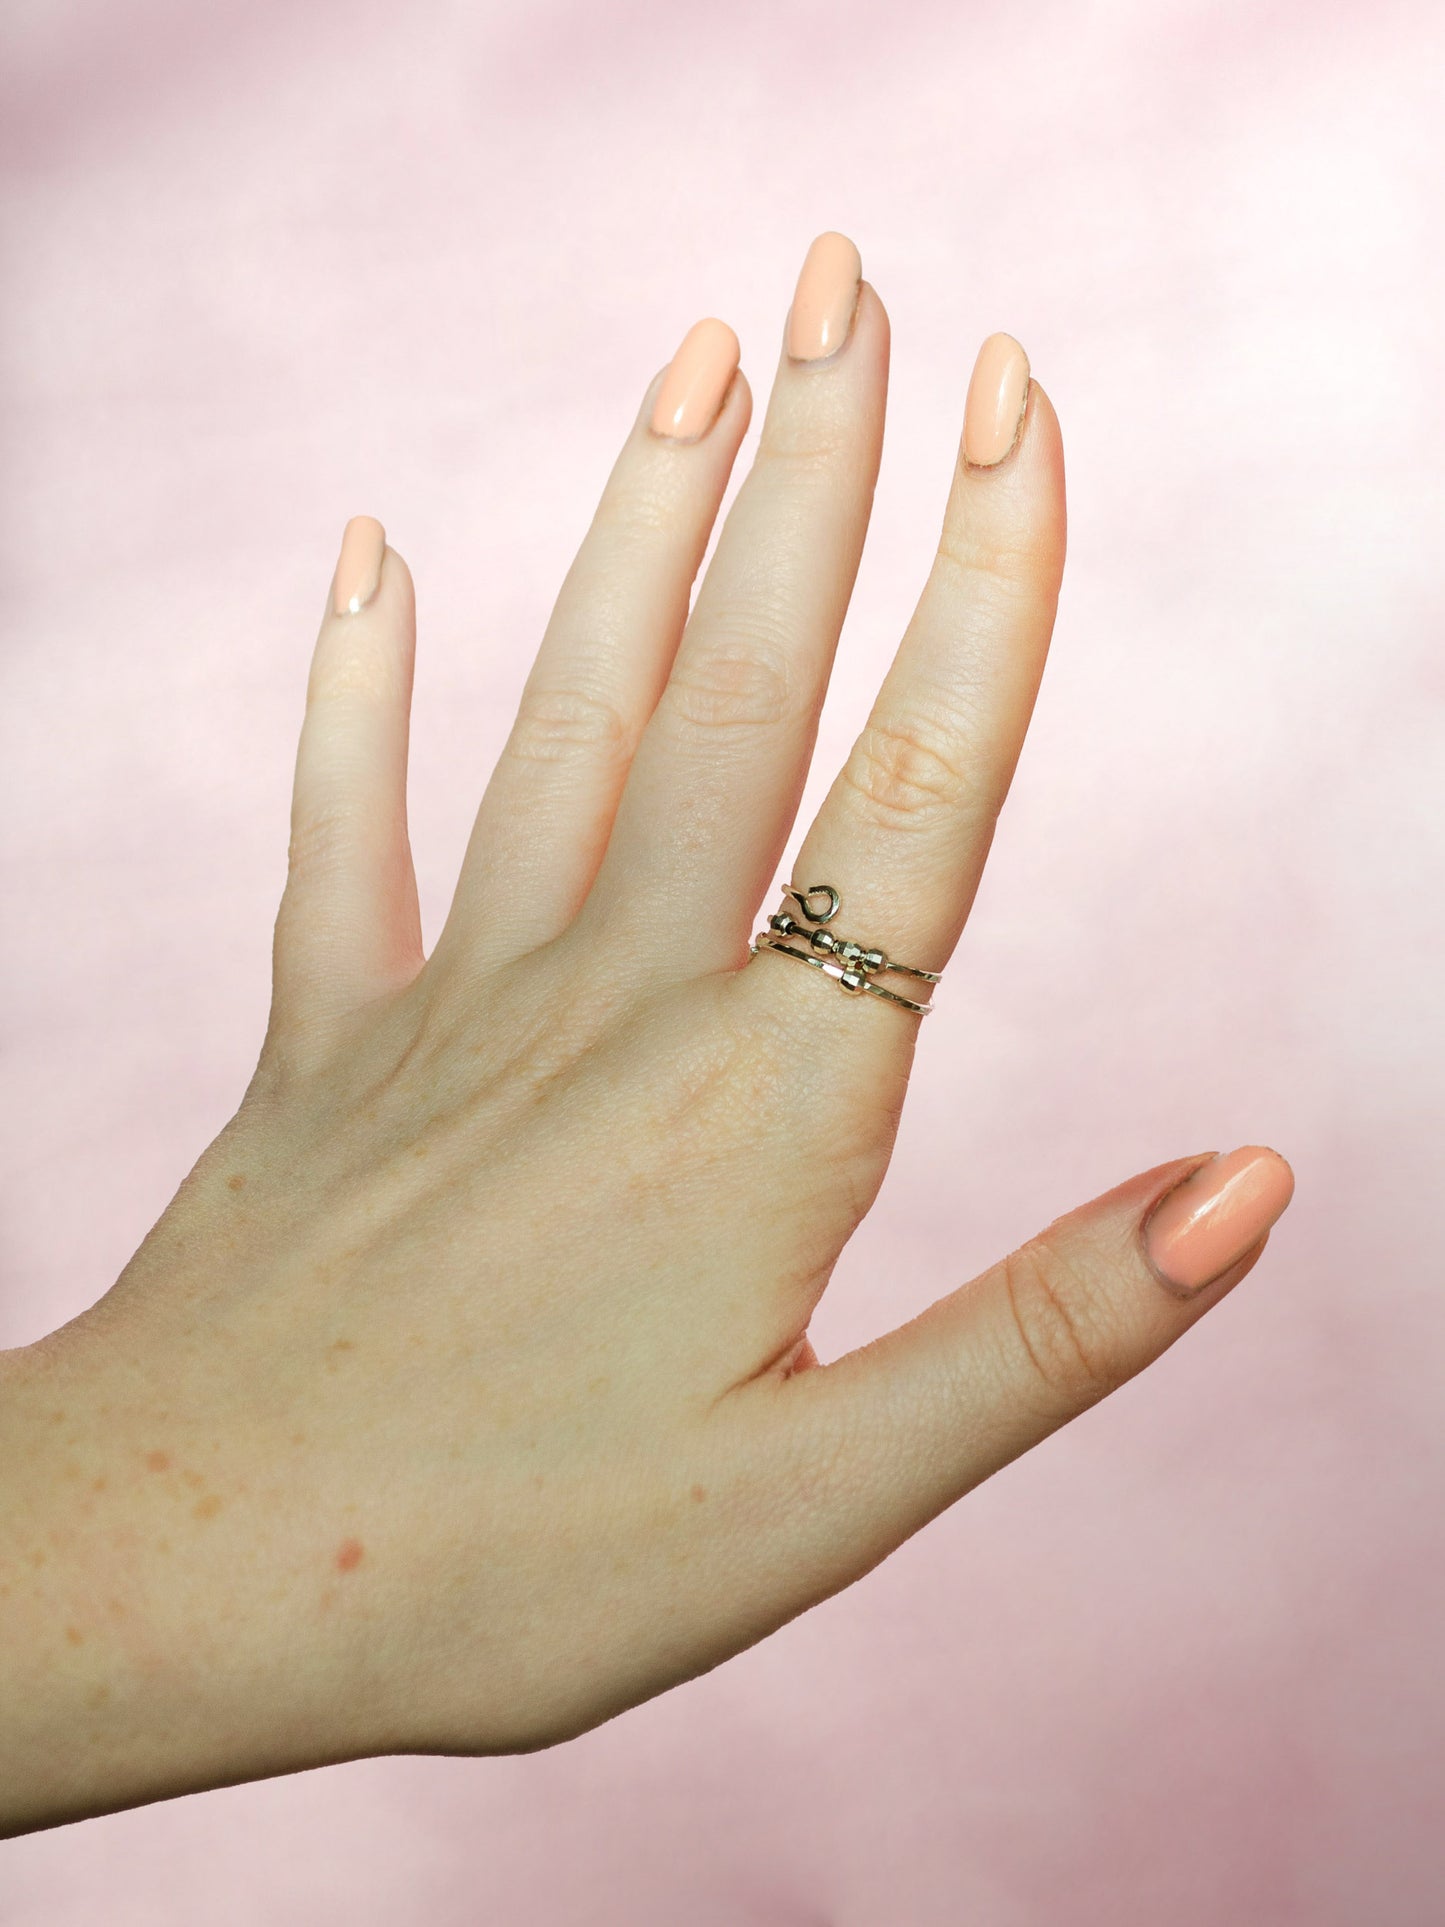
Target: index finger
904 832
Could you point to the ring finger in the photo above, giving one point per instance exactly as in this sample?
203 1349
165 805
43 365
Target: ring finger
543 821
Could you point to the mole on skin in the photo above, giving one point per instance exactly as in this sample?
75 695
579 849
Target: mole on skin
348 1555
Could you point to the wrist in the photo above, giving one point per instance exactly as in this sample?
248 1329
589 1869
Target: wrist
160 1629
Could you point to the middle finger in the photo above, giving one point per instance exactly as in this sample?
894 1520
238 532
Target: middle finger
719 771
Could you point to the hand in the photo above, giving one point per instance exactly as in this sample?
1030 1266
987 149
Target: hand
463 1397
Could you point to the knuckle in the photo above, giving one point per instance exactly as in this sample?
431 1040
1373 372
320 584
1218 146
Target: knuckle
320 838
554 723
630 509
1060 1322
993 565
907 772
803 453
746 684
353 675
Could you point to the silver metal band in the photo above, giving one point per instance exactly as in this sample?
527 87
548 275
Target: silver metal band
852 965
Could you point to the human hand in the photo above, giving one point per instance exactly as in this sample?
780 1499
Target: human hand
462 1398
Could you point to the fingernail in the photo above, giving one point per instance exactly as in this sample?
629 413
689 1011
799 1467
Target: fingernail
825 298
1206 1224
997 394
358 567
696 381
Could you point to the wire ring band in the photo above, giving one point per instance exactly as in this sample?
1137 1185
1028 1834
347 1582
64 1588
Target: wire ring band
852 965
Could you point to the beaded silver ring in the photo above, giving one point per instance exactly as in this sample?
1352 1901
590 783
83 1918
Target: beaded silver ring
853 966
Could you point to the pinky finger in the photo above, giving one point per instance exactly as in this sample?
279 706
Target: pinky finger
348 928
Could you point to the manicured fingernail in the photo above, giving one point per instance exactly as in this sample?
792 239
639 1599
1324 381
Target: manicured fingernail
825 298
698 378
358 567
997 394
1206 1224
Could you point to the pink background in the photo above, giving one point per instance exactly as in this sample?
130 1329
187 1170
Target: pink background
268 265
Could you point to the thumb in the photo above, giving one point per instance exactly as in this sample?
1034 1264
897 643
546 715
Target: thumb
883 1439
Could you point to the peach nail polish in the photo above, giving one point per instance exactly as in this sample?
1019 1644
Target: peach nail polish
997 394
358 567
1207 1223
826 295
693 388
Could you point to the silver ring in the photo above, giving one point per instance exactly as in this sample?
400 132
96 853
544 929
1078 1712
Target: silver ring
852 965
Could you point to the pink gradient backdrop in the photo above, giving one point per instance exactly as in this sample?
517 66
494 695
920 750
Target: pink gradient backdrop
269 265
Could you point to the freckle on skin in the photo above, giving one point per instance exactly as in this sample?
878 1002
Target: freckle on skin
75 1635
237 1182
208 1507
699 1493
192 1479
57 1418
97 1696
98 1485
349 1554
158 1461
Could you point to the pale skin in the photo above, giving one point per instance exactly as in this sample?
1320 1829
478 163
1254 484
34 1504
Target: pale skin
462 1398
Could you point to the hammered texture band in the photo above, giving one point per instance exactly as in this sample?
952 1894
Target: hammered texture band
853 966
